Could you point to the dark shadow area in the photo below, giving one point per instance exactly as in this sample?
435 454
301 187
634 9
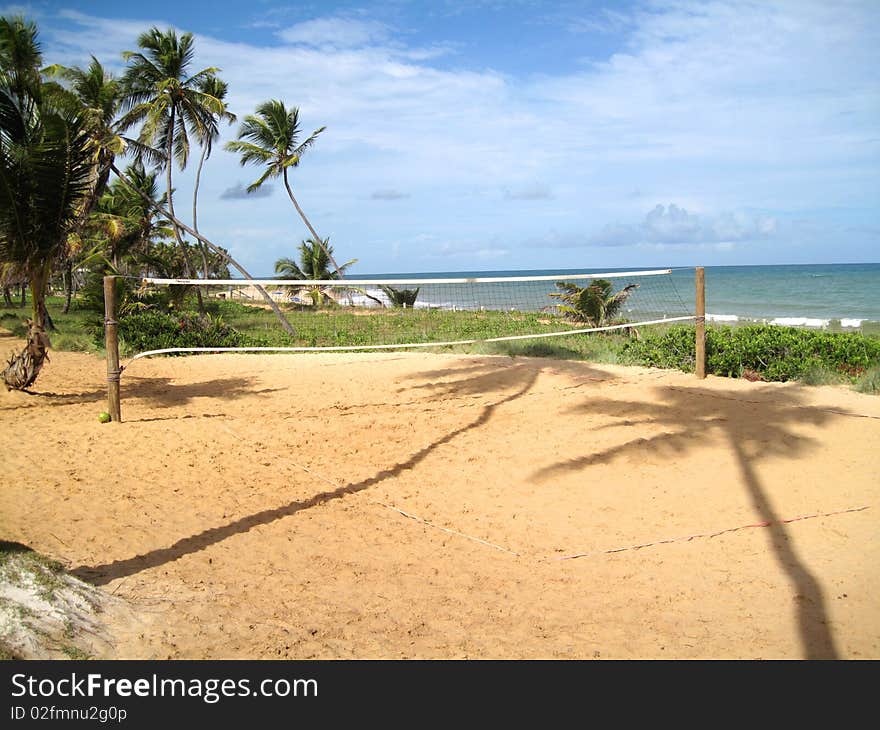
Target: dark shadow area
755 426
156 391
487 375
520 378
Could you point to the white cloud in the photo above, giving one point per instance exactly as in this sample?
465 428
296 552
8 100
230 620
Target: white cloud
336 32
674 226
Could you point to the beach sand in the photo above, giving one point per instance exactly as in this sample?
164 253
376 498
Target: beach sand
428 506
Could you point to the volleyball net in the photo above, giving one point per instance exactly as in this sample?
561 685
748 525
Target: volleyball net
410 312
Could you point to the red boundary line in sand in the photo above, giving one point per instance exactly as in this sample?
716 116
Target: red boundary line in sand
688 538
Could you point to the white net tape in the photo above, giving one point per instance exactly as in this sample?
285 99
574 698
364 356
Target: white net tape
410 312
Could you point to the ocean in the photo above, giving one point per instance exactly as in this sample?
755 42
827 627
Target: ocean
844 296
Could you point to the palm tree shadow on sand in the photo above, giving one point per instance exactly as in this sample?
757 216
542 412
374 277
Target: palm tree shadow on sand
505 383
755 426
152 391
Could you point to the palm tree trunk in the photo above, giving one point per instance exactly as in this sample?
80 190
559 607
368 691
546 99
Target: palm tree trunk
315 236
68 286
202 247
216 249
22 370
169 148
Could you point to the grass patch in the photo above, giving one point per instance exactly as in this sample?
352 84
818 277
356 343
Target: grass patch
869 382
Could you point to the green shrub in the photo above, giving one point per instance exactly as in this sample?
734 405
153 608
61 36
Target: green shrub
763 352
153 330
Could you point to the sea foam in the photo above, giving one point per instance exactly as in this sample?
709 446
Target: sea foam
851 322
800 322
722 318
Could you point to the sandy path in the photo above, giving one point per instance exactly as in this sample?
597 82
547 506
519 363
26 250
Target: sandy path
248 507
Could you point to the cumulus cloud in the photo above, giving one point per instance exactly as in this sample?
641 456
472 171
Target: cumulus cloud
674 226
239 192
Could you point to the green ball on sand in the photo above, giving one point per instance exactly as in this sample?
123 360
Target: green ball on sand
104 417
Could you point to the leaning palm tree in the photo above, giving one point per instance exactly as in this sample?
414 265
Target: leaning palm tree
271 137
45 181
595 304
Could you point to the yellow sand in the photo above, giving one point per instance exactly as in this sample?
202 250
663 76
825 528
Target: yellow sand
421 505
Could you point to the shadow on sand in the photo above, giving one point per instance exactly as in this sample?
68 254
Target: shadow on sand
154 390
755 426
507 382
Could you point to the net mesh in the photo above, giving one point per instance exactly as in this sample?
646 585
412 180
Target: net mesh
402 312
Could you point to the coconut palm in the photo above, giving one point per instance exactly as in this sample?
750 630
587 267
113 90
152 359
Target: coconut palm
271 137
216 88
400 298
169 105
124 224
314 265
96 94
45 181
165 100
595 304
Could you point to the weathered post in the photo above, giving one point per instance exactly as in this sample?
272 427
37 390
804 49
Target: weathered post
700 364
111 344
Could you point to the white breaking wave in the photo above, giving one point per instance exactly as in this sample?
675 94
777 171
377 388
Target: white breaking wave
800 322
722 318
851 322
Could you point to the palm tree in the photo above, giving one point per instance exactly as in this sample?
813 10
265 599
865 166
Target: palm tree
314 265
124 224
96 94
168 102
400 298
595 304
216 88
45 182
271 138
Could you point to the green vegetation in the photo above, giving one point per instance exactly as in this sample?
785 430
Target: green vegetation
755 352
761 352
595 305
400 298
315 264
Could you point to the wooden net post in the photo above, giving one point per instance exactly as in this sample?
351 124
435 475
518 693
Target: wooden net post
111 344
700 364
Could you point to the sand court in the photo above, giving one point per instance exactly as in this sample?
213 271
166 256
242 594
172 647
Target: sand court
407 505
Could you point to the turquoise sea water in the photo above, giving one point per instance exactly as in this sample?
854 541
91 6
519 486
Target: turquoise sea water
811 295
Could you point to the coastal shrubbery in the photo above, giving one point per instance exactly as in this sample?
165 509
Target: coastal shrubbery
756 352
759 352
155 330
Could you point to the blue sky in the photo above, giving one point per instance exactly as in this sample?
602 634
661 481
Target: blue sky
495 135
